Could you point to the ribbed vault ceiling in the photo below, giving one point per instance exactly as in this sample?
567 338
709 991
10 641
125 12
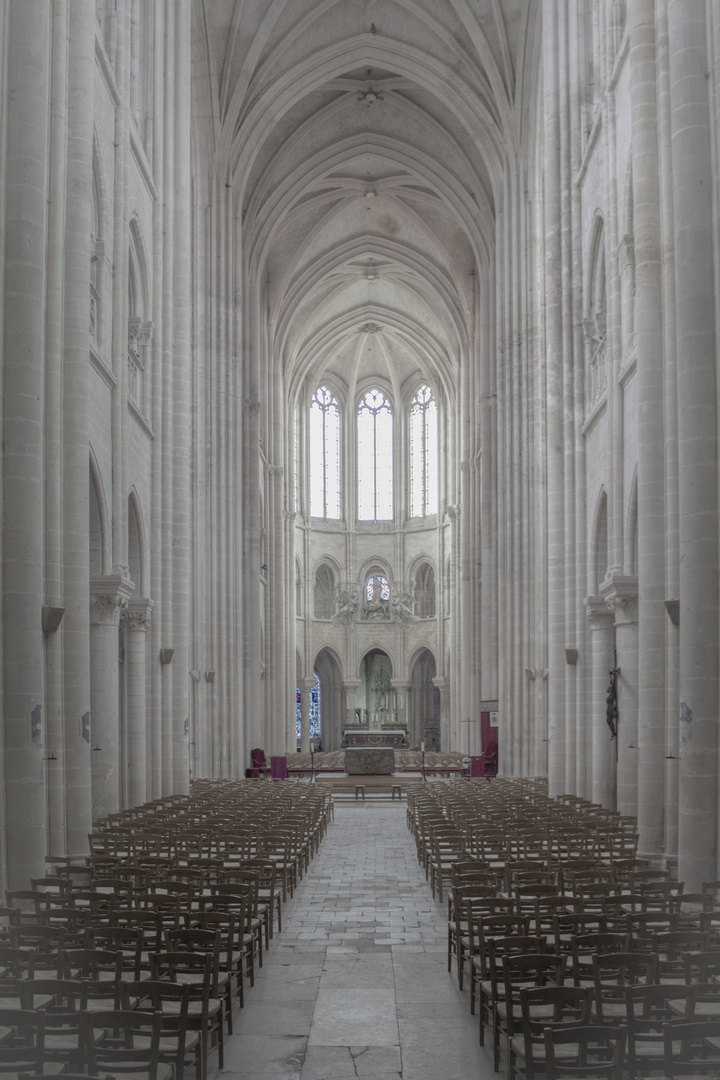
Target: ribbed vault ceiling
365 139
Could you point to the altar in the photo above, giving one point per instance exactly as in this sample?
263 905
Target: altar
370 761
393 738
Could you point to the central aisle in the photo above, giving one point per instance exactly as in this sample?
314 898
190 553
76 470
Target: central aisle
357 983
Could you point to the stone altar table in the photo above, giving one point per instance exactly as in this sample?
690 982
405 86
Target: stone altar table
392 739
370 761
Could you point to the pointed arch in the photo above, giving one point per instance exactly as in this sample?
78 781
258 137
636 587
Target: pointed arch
99 524
137 545
599 546
631 532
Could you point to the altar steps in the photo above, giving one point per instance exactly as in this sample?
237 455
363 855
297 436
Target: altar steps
376 787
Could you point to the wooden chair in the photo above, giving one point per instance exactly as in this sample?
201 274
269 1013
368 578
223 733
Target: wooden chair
481 929
542 1007
576 1052
612 973
691 1048
178 1047
125 1042
63 1002
584 946
22 1047
521 971
205 1013
647 1009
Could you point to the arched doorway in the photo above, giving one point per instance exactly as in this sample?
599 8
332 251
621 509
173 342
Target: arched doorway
332 699
375 695
424 703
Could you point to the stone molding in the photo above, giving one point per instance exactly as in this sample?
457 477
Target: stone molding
599 616
109 595
620 593
137 616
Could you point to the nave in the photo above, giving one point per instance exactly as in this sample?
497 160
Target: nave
356 985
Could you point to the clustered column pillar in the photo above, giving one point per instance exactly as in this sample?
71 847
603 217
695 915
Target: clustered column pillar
108 596
603 748
621 597
136 619
695 294
28 28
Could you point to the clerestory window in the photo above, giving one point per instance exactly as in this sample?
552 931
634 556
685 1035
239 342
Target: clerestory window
375 457
423 454
324 455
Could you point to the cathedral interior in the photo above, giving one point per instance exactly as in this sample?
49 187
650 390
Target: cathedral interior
359 367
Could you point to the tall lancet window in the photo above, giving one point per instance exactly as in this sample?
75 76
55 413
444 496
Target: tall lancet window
324 455
423 454
375 457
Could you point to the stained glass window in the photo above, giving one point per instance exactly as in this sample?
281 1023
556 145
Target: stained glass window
375 457
377 588
315 723
324 455
423 454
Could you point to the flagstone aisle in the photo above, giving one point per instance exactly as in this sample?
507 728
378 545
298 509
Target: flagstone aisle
357 983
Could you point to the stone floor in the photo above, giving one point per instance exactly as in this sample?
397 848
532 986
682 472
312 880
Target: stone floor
357 983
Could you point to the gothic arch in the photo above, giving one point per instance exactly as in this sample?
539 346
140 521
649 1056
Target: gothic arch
423 701
137 545
328 666
631 532
100 556
324 590
599 545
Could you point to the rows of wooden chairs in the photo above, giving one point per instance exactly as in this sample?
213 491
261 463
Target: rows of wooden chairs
130 959
580 958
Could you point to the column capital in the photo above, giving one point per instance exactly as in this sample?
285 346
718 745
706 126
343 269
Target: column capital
351 684
620 593
599 615
305 685
138 614
109 595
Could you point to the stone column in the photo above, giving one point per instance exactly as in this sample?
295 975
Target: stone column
28 27
136 619
77 407
554 402
351 686
695 295
108 596
650 325
620 594
305 687
401 689
182 421
443 686
601 620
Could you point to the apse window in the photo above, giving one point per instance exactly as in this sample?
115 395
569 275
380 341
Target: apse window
324 455
423 454
375 457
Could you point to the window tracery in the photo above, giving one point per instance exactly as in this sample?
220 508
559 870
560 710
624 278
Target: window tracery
375 457
423 454
324 455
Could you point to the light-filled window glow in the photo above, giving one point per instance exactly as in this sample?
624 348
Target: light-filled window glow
375 457
315 725
423 454
324 455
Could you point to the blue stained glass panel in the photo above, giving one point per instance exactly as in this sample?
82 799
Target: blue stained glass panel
315 725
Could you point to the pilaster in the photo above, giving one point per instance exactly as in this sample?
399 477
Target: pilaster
136 618
109 596
601 623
